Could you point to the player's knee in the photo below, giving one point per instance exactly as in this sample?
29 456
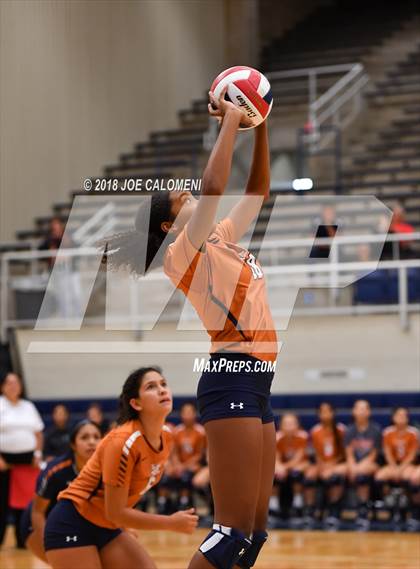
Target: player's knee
225 546
250 556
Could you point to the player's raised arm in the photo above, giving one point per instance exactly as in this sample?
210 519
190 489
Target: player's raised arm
217 171
258 186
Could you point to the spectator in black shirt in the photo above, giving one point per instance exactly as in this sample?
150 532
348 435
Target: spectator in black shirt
326 228
57 436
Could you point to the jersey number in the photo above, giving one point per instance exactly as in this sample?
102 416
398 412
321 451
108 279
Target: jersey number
256 270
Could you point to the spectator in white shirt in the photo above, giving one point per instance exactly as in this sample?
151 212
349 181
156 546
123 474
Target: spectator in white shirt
21 429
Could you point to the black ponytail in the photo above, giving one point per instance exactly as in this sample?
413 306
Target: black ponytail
79 426
130 391
123 249
338 439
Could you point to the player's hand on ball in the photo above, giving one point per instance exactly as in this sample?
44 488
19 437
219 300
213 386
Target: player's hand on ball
218 107
184 521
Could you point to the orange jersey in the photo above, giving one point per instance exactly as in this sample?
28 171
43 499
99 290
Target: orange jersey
123 458
226 286
324 443
401 443
189 442
288 446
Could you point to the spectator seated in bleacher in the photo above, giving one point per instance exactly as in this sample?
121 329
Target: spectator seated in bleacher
291 464
400 446
57 435
326 227
400 225
95 414
186 460
327 441
363 444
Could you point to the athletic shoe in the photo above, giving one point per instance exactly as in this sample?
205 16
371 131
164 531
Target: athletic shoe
362 524
274 505
308 522
413 525
331 523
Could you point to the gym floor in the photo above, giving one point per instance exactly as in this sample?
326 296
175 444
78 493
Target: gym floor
285 550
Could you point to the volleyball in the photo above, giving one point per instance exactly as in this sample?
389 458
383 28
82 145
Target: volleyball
248 89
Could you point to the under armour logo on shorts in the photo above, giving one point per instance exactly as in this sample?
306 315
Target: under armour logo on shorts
69 538
239 405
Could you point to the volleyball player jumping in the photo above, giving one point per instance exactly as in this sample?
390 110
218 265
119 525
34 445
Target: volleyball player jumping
85 528
226 286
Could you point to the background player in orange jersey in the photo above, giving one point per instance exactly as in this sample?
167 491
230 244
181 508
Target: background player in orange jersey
186 458
55 477
400 445
85 527
327 440
291 458
189 446
226 285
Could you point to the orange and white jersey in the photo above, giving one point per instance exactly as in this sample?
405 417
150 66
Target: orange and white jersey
287 446
226 286
401 442
124 458
325 444
189 441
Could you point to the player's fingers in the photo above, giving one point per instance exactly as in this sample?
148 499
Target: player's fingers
214 112
223 93
213 100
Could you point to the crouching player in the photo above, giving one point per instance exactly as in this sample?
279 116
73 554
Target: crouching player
85 528
58 473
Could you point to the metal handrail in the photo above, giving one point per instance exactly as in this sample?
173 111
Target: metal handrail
348 87
304 71
83 233
332 268
338 240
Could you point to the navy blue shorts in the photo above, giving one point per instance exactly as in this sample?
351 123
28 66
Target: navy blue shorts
26 528
224 393
65 528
